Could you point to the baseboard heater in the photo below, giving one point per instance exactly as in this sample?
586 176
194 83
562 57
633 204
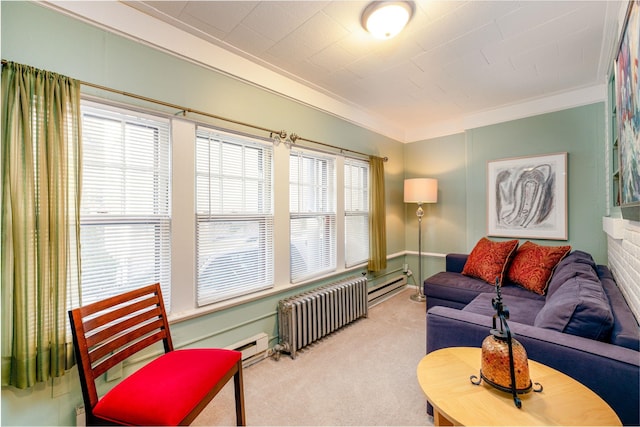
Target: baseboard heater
307 317
386 290
253 348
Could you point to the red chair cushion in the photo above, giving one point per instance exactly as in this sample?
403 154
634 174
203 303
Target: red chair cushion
164 391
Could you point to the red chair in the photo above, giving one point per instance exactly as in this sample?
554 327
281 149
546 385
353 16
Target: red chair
170 390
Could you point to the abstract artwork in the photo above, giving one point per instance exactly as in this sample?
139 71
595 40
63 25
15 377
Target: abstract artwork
527 197
628 113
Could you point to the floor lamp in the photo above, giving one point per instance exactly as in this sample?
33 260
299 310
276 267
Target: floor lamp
420 190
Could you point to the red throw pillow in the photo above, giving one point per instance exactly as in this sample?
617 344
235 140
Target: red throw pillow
489 260
533 265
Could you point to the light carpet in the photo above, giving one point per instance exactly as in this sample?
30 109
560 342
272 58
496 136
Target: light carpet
362 374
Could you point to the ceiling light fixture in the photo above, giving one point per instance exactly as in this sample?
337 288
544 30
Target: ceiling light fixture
385 19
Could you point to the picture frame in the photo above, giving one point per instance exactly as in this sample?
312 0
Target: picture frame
527 197
627 94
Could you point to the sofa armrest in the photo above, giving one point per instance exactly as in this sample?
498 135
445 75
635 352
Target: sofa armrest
454 263
611 371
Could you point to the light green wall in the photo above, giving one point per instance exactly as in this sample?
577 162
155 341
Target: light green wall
579 132
37 36
459 162
40 37
443 224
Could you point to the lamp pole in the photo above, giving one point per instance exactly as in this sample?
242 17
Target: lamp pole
420 190
419 295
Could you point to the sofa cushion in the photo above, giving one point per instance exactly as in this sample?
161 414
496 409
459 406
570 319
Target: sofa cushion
578 307
489 260
521 309
533 265
576 264
454 287
456 290
625 326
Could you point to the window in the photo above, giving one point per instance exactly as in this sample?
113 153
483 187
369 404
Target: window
125 215
234 209
356 211
312 202
226 243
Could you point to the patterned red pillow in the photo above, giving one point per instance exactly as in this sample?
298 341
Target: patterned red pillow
533 265
489 260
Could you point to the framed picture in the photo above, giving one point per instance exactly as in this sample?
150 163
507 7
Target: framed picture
527 197
628 113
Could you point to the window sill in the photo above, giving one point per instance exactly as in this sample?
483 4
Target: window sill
233 302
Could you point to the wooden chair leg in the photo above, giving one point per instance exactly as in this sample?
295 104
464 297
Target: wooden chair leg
239 391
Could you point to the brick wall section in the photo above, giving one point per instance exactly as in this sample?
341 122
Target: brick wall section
624 261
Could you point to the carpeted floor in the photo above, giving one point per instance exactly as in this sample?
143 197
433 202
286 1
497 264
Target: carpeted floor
362 374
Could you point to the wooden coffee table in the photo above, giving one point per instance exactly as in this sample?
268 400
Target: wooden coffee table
444 378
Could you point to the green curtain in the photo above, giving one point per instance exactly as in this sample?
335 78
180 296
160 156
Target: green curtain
377 216
41 157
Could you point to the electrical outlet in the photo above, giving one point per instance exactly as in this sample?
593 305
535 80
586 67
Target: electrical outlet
81 420
409 273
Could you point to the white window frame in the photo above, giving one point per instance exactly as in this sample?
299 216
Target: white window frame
234 216
313 218
180 289
356 211
116 222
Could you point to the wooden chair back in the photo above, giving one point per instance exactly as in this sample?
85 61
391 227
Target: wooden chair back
107 332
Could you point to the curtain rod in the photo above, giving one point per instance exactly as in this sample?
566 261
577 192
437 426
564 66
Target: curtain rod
294 137
281 133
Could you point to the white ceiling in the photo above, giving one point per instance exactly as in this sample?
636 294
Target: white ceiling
455 60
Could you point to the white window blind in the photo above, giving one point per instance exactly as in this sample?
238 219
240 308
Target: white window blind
312 199
356 211
234 190
125 215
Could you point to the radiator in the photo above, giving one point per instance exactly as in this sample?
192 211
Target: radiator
305 318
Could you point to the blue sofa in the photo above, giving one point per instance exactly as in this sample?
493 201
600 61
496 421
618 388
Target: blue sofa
582 326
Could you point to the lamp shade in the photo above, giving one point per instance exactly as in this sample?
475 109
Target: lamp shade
421 190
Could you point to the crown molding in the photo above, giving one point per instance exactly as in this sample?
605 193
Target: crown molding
118 18
562 101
